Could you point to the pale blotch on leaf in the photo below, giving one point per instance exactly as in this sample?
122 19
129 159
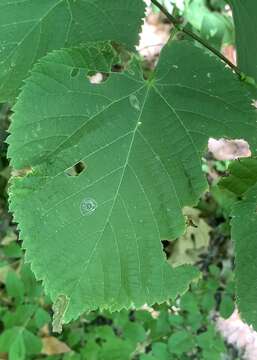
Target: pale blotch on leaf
60 307
97 78
88 206
21 172
134 102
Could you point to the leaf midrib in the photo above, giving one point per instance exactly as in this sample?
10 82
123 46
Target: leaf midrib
80 128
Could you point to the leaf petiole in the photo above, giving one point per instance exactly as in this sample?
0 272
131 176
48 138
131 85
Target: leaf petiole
177 24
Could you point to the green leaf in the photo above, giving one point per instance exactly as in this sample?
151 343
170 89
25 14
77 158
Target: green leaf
147 357
175 320
119 318
214 271
242 176
33 343
245 17
12 250
91 351
116 349
134 332
215 27
244 230
32 288
14 286
17 350
41 318
160 351
18 342
73 356
226 306
20 316
242 182
7 338
195 320
141 143
75 337
208 301
224 198
189 303
161 326
218 5
30 29
211 342
181 342
111 348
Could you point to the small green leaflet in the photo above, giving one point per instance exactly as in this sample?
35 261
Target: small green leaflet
95 238
30 29
20 343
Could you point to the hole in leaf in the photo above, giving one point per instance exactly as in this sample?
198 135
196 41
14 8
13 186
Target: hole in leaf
117 68
223 149
74 72
97 78
76 169
166 248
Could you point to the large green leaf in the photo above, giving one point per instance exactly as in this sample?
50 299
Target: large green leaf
244 233
30 29
94 239
245 17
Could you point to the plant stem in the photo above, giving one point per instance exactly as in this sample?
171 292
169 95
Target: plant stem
176 22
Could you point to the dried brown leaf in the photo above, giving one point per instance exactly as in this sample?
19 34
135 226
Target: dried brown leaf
53 346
